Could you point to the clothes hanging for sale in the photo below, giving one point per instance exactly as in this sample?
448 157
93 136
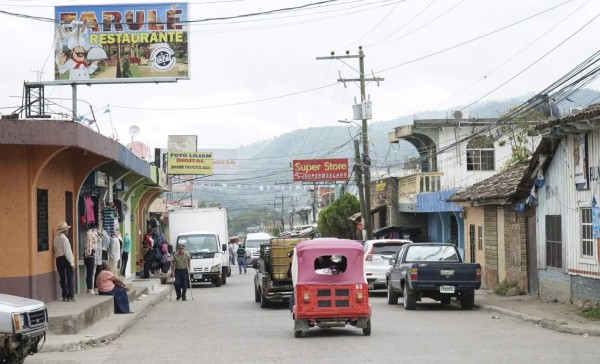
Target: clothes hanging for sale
109 214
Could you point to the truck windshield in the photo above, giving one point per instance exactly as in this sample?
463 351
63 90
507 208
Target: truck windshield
431 254
256 243
199 243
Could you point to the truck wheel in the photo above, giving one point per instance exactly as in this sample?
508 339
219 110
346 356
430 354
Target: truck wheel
298 333
392 297
264 303
256 294
409 299
217 282
467 300
224 276
229 271
367 330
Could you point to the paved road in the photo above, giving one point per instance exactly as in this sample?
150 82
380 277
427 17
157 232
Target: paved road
226 325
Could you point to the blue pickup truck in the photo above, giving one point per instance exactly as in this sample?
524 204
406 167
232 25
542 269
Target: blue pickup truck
433 270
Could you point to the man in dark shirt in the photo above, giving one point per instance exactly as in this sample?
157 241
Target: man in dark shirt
241 255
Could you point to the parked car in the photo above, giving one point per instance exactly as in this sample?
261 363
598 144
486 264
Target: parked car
23 324
433 270
378 257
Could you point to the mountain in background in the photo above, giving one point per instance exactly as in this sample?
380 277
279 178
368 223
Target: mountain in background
265 167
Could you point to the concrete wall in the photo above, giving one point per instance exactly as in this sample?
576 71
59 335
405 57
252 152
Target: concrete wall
554 285
25 271
585 291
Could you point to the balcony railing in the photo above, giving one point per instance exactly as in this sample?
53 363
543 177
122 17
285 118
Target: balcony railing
420 182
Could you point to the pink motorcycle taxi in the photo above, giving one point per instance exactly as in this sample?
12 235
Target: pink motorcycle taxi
330 288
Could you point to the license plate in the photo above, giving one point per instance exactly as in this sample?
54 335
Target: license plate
447 272
446 289
197 276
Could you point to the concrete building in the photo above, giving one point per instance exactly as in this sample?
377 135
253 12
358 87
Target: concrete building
454 154
50 169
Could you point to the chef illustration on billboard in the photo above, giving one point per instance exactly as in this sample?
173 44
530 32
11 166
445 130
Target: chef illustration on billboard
76 62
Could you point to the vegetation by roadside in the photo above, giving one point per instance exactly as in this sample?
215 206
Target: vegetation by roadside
508 288
591 313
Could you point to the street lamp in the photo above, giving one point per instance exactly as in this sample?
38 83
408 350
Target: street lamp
362 191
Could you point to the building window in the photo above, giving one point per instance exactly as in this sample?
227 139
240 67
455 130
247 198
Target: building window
480 154
43 235
480 237
553 241
472 243
587 240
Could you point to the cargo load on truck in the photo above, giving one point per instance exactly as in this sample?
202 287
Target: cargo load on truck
272 281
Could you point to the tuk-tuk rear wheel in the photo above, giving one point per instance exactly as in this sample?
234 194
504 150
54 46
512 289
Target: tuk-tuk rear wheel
298 333
367 330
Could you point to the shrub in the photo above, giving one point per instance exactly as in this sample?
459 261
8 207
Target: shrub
508 288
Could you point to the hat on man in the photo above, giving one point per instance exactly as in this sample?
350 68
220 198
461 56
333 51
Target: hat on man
62 226
181 246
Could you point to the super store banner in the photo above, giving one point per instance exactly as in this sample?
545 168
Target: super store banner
121 41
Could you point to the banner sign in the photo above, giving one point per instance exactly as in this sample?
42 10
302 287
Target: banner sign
596 222
317 170
121 41
225 161
190 163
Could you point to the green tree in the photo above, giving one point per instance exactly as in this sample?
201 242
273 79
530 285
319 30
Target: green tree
333 219
519 133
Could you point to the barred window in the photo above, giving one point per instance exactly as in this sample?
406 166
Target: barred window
480 237
587 240
480 154
553 241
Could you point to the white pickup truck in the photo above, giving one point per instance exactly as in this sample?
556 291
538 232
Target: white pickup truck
23 324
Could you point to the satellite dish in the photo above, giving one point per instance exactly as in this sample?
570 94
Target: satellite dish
139 149
134 130
457 115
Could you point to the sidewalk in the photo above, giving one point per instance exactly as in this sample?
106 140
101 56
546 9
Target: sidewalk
108 328
559 317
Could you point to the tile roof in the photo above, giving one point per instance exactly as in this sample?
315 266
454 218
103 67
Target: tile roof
502 185
590 112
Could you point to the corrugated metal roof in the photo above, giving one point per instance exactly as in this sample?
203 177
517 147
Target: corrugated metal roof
502 185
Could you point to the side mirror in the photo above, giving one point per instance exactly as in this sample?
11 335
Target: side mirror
224 247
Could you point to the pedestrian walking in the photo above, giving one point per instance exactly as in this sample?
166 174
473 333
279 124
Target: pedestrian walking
65 262
125 255
241 255
181 271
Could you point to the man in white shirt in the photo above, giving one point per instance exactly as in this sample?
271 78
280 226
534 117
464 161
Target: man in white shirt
114 254
65 262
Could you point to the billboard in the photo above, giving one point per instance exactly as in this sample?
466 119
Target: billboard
320 170
225 161
121 41
190 163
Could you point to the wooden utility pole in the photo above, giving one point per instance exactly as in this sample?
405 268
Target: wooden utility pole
366 161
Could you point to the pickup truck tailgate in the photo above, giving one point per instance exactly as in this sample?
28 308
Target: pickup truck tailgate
434 274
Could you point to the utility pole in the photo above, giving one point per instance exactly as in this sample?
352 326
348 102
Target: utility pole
366 161
361 196
282 220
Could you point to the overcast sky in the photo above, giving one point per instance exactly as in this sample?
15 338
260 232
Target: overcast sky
250 76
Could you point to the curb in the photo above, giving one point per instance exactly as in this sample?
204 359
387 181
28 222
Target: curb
544 323
105 339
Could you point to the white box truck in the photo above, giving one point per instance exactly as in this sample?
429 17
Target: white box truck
203 231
